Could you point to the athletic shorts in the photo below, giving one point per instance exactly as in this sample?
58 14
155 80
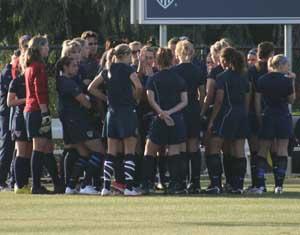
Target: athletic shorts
18 131
33 123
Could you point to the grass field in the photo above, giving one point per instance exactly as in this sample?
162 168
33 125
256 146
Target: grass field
240 215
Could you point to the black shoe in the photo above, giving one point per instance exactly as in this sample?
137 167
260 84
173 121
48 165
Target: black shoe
40 190
227 188
148 188
177 189
5 187
236 191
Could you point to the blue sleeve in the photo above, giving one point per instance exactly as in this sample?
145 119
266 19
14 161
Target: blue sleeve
290 87
149 84
71 88
259 85
220 83
182 84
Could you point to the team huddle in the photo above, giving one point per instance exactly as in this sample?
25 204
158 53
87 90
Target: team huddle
134 120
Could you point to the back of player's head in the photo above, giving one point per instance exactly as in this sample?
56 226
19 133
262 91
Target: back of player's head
184 50
265 50
277 61
164 57
219 45
121 51
23 41
234 58
173 41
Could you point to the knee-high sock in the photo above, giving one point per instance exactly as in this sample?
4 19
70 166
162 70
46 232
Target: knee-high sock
228 165
108 170
20 171
148 170
71 156
51 165
239 166
196 160
279 169
261 168
129 170
214 166
36 168
93 168
119 168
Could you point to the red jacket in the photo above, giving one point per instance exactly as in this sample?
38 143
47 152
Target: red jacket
36 86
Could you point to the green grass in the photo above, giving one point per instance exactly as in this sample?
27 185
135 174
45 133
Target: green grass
241 215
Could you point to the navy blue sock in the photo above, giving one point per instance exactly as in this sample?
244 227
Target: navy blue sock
78 168
51 166
239 166
93 168
27 170
148 169
279 169
108 170
185 161
20 171
253 164
261 168
36 168
71 156
228 165
214 166
162 168
138 170
119 168
129 170
196 160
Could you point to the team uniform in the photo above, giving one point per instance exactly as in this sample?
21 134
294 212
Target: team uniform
73 116
167 87
231 121
193 77
121 119
277 119
19 133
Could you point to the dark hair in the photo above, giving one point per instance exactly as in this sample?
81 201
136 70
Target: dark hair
64 61
89 34
235 58
264 51
173 41
164 57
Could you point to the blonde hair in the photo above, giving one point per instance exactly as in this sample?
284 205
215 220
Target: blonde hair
184 50
81 41
69 47
276 61
135 43
217 47
33 52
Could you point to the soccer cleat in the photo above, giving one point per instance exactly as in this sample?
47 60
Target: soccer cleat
70 191
213 190
40 190
256 191
227 188
88 190
193 188
118 186
24 190
132 192
105 192
236 191
278 190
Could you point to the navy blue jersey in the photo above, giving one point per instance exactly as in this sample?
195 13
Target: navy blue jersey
17 86
119 86
275 89
5 79
235 88
68 89
214 72
254 74
167 87
193 78
201 64
91 67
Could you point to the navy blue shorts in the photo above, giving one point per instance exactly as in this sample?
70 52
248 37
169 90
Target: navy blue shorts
33 122
18 131
121 123
77 129
192 121
276 127
231 125
161 134
253 124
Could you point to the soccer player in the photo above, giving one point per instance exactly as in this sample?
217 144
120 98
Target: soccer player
214 161
16 98
277 89
167 95
78 131
123 91
227 120
194 80
252 57
37 116
135 48
264 52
